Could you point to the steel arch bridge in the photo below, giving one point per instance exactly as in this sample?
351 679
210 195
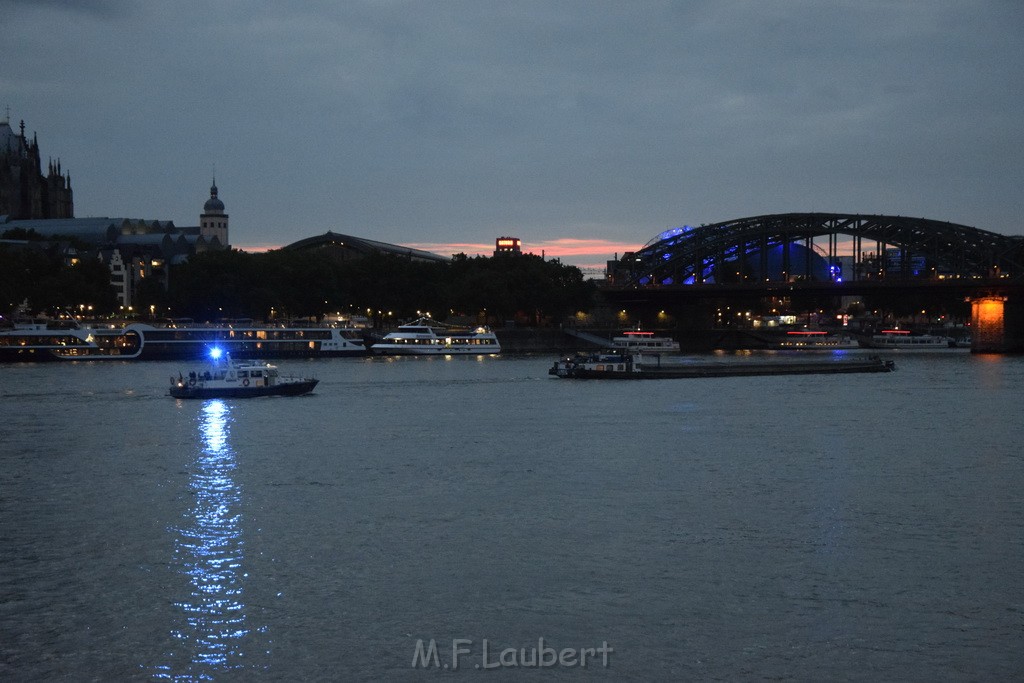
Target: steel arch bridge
779 248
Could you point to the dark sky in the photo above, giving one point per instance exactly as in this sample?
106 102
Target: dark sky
447 124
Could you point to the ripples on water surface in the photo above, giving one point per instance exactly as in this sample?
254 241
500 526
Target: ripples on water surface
863 527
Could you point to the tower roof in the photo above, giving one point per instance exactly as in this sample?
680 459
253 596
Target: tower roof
213 204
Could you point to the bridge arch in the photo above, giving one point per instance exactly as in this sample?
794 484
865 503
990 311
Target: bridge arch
790 246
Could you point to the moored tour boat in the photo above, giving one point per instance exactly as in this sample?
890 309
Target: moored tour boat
642 341
903 339
430 337
619 365
812 340
246 339
225 378
45 340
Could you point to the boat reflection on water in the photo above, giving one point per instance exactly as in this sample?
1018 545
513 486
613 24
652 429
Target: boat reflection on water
209 551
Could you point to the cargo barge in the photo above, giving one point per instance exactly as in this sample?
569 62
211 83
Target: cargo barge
615 365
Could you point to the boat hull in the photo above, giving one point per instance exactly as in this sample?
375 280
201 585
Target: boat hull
905 347
241 352
246 342
283 389
717 369
396 350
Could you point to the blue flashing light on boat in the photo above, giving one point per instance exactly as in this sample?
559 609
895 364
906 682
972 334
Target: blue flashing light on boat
216 353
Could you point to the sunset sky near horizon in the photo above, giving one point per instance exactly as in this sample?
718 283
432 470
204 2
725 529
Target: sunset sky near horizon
589 254
583 127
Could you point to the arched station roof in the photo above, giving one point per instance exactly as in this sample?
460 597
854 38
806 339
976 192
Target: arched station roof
359 245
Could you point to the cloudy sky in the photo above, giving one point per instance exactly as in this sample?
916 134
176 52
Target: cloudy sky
583 127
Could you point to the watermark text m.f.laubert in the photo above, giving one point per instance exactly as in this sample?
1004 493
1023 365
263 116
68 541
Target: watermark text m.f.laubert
464 652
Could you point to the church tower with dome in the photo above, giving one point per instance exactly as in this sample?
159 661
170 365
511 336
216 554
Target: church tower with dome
213 222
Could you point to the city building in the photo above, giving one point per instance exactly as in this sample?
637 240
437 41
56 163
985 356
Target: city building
133 249
37 211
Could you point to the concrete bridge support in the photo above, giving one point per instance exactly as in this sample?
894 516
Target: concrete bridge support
997 324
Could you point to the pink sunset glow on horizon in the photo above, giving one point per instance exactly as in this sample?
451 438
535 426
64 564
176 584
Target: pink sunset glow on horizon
583 253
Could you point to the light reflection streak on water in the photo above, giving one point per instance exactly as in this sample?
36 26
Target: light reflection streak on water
209 550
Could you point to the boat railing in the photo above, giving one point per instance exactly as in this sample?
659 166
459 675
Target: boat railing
189 324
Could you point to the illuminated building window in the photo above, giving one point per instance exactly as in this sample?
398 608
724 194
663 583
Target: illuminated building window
508 245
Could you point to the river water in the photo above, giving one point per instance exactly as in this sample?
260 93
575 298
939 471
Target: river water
852 527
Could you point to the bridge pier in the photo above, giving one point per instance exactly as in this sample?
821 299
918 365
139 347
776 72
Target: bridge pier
997 324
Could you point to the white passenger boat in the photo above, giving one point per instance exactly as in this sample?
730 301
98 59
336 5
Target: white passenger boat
640 341
816 340
225 378
430 337
903 339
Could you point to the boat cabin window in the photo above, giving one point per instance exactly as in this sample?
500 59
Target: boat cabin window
257 373
243 373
